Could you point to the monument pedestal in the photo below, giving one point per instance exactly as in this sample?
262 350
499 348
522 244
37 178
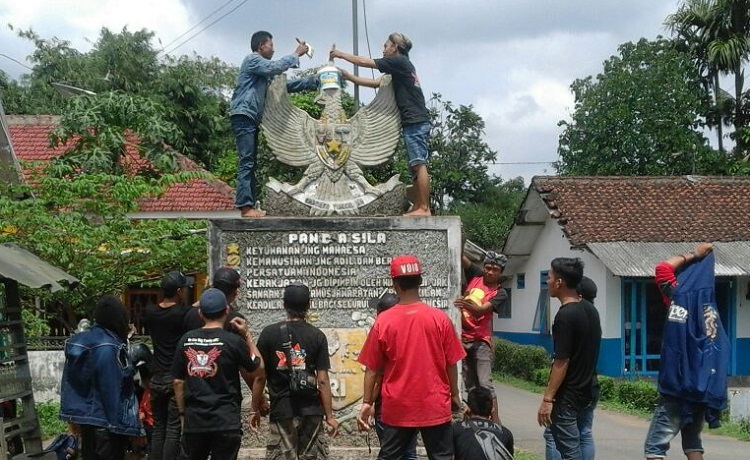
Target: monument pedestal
345 262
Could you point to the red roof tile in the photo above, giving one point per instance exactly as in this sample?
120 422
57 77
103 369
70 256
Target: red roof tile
30 140
648 209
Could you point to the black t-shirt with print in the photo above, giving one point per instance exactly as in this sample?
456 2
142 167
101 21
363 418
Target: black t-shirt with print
193 320
467 435
577 334
309 351
209 360
165 327
406 89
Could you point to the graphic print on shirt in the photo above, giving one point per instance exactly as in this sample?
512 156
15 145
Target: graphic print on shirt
202 364
710 317
298 355
677 313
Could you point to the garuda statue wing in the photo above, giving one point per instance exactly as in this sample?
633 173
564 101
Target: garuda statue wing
289 130
376 127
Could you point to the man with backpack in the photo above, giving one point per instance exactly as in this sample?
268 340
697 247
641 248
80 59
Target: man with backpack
484 295
477 437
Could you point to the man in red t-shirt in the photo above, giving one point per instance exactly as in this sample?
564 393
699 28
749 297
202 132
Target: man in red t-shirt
484 295
416 349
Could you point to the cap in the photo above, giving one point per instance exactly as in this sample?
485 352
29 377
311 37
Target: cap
226 275
175 280
384 302
212 301
296 295
493 258
405 265
587 288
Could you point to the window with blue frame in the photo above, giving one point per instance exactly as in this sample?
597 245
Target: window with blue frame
541 317
521 281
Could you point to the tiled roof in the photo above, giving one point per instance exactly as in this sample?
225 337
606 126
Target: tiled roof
29 137
648 209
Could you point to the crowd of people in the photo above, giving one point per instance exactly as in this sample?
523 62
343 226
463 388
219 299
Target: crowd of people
183 399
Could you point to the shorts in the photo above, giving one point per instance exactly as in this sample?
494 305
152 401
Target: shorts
416 137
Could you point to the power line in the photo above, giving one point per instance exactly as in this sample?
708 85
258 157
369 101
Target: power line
367 34
16 61
209 25
196 25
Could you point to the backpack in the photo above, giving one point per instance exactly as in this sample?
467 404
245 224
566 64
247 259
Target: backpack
489 441
65 447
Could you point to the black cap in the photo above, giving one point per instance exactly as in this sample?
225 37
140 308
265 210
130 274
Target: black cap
297 296
384 302
227 276
175 280
587 289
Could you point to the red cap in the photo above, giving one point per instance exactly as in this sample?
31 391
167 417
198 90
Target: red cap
405 265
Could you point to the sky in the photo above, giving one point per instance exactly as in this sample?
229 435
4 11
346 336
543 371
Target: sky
512 60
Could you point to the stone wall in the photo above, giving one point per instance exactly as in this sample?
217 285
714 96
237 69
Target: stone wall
46 373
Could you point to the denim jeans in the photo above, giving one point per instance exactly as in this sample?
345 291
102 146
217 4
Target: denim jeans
438 441
587 444
416 138
246 138
165 437
667 422
571 430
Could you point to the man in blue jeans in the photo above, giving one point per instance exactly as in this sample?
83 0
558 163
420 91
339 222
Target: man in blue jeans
587 290
415 118
568 403
246 110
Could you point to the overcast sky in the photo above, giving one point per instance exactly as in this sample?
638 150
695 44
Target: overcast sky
513 60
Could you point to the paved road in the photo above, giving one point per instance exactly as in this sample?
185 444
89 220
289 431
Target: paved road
617 436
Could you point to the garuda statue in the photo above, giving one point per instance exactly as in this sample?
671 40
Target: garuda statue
333 149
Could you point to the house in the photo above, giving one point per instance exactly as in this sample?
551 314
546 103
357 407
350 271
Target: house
621 227
24 139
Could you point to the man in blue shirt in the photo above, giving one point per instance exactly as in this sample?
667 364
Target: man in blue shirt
246 110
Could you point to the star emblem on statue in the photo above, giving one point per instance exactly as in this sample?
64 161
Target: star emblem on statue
334 146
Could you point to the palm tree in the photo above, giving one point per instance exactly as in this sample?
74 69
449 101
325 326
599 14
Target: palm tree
717 34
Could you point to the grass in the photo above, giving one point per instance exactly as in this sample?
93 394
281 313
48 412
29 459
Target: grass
740 430
49 420
524 455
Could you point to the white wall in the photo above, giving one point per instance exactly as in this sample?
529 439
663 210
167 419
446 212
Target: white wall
552 243
46 373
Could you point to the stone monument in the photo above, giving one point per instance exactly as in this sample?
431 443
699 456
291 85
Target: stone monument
345 262
333 149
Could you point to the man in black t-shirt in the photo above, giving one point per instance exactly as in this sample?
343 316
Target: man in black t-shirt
415 118
164 322
477 437
568 403
207 381
296 421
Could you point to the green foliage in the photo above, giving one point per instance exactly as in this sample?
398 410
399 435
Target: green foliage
458 166
541 377
519 360
49 419
101 128
638 395
606 388
641 116
488 219
80 224
34 323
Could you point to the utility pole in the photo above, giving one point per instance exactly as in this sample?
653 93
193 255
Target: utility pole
355 48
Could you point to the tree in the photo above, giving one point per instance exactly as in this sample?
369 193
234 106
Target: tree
80 225
458 166
101 127
717 33
641 116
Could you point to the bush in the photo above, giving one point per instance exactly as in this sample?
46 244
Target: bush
541 377
606 388
49 419
639 395
520 361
